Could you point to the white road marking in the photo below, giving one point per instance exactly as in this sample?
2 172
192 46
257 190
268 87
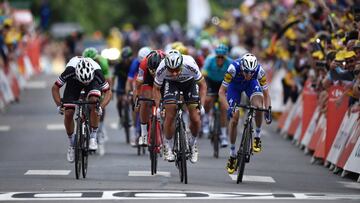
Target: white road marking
57 195
114 126
354 185
35 85
151 194
4 128
263 179
55 127
48 172
160 195
148 173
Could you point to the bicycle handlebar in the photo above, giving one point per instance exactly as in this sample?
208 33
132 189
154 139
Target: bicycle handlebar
251 107
177 102
80 102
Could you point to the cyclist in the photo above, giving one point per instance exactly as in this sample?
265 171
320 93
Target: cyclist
177 73
91 52
214 70
130 87
244 74
121 71
144 85
81 73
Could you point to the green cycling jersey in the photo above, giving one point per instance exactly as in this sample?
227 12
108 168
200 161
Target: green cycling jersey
104 64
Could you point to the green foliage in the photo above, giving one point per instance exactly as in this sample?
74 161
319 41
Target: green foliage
104 14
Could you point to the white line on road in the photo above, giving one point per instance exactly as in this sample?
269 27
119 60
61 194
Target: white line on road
148 173
48 172
35 85
354 185
160 195
55 127
4 128
57 195
263 179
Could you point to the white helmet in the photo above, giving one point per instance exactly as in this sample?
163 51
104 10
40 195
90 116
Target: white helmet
84 71
143 52
249 63
173 59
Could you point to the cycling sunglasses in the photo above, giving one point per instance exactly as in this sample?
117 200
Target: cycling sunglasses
248 72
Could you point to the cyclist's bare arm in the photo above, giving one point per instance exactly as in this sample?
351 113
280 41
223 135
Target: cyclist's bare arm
222 96
267 99
156 94
203 90
137 88
55 90
106 100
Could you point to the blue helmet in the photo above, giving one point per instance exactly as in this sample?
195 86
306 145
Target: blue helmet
222 49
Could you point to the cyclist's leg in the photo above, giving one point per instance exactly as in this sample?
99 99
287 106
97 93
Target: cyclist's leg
169 122
255 94
209 103
191 93
93 95
146 92
71 93
233 97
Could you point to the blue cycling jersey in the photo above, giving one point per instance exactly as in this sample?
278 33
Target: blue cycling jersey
234 75
134 68
213 71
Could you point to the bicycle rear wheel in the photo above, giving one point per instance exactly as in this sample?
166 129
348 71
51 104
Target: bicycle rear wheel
216 134
77 146
243 150
126 123
85 150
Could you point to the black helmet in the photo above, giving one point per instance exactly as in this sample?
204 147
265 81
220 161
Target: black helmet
126 52
154 59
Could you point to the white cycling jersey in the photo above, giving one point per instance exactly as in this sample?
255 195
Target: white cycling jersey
189 71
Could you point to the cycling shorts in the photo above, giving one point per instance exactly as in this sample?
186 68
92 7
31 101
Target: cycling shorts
189 88
74 87
213 86
251 88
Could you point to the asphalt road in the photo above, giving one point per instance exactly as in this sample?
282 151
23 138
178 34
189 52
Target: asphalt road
33 165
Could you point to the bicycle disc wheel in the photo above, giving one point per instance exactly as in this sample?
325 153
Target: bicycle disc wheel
242 155
85 150
77 149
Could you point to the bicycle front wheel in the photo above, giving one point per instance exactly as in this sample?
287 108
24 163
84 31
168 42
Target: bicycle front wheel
182 137
243 150
152 146
85 150
77 146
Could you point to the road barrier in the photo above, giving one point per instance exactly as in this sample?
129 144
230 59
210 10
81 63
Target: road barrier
13 76
325 128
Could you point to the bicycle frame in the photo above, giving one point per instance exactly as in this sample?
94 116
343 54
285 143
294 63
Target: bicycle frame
245 149
82 134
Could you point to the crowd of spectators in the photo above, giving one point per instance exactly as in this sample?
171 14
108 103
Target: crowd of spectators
311 40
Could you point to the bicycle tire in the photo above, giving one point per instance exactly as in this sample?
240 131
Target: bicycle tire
183 153
126 123
77 146
85 150
244 147
152 145
216 134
